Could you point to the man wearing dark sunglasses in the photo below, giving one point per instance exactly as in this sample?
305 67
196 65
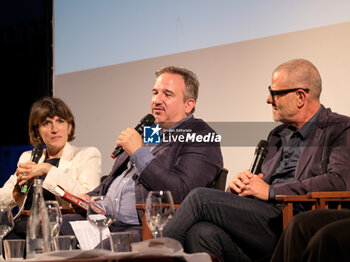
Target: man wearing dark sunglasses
310 151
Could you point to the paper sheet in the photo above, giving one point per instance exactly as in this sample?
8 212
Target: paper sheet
87 234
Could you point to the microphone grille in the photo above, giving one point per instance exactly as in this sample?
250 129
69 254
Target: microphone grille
148 120
39 147
263 147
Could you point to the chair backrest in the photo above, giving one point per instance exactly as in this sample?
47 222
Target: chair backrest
220 180
317 200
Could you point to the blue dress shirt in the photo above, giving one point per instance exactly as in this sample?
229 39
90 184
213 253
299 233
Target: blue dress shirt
122 189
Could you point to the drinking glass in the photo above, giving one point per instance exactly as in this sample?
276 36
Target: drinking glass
6 224
55 218
14 249
159 210
101 213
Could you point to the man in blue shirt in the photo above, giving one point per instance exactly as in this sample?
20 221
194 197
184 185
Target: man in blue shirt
175 165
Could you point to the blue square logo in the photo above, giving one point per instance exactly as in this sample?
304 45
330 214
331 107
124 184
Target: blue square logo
151 134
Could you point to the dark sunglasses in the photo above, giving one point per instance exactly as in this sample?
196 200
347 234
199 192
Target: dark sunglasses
285 91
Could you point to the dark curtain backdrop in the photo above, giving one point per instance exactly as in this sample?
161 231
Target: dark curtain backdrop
26 72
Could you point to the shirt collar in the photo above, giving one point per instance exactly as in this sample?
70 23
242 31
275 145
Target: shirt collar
180 122
306 129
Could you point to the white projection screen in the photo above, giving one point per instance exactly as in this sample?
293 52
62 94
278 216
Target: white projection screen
232 51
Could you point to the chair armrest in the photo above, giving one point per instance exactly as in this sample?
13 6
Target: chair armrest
143 206
323 198
63 211
293 198
287 202
319 200
330 194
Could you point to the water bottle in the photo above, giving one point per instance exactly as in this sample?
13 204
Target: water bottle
38 224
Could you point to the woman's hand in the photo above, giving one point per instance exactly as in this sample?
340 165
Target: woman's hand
26 171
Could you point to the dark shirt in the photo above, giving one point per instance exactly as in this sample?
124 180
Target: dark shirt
293 142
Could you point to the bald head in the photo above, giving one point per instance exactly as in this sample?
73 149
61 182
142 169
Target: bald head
302 73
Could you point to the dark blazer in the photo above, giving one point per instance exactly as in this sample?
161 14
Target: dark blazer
178 166
324 164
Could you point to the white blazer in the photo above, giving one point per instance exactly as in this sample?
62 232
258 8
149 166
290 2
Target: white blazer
78 172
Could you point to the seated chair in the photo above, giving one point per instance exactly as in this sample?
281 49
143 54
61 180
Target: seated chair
318 200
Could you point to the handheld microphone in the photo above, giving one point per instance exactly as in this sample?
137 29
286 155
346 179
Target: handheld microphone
36 154
147 120
259 156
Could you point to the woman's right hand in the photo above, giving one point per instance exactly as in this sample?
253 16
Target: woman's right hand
28 170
